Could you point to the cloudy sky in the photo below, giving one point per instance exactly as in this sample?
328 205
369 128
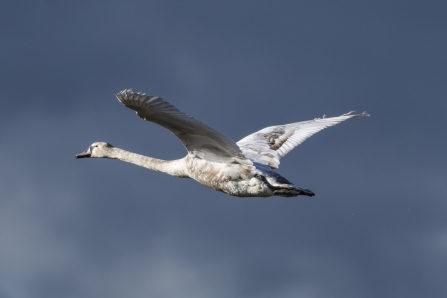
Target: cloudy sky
377 226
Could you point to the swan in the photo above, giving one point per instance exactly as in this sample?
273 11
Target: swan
243 169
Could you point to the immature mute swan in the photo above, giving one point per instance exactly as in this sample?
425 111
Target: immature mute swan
243 169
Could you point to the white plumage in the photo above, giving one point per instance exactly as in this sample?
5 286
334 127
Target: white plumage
283 138
241 169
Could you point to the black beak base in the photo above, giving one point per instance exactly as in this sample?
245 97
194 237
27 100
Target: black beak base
84 154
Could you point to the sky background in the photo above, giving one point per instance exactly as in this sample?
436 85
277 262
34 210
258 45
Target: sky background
377 226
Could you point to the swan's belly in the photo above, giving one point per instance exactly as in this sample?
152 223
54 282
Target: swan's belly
251 188
233 179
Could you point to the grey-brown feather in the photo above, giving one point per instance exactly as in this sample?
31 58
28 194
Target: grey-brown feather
198 138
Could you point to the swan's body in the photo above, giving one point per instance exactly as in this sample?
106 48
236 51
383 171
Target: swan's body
243 169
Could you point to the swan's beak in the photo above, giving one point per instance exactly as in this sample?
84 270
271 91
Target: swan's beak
84 154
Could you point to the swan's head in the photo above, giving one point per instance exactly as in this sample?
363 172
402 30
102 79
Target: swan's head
98 149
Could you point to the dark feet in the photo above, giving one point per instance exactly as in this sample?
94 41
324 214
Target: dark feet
307 192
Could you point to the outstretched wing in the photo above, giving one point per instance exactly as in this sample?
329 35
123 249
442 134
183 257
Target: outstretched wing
199 139
268 145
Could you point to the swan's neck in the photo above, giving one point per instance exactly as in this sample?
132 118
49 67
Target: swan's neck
172 167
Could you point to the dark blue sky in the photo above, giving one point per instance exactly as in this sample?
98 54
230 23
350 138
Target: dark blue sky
101 228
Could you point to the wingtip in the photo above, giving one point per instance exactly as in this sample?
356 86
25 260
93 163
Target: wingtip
364 114
361 115
117 95
123 95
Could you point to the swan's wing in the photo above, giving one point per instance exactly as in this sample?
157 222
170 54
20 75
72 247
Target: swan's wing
198 138
268 145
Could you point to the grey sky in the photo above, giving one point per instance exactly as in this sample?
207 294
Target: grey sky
101 228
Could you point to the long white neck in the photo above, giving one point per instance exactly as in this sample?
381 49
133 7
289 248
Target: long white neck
172 167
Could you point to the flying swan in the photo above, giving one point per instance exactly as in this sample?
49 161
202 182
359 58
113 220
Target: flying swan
243 169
